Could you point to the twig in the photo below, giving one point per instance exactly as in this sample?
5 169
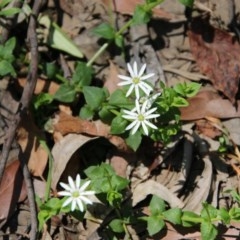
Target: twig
23 105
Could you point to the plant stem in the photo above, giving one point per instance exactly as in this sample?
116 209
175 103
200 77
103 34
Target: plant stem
97 54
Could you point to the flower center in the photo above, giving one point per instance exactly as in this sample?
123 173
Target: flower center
136 80
141 117
75 194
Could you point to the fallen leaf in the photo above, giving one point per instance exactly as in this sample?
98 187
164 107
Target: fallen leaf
112 78
41 86
128 7
33 153
207 128
209 104
12 190
62 152
144 189
217 55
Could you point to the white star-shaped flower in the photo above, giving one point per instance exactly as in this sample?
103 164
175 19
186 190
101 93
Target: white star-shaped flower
77 196
136 80
140 116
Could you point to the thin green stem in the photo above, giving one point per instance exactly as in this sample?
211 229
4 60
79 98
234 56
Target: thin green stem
97 54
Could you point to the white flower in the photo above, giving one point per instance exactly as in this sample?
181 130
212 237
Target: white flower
136 80
150 100
77 195
140 116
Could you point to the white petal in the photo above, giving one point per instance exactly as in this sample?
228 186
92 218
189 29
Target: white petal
137 106
144 106
124 83
64 193
146 90
135 70
147 76
142 70
88 193
136 127
145 128
74 203
80 205
65 186
150 111
129 117
84 186
150 124
71 183
130 70
85 200
67 202
125 78
137 91
152 116
147 86
78 181
130 113
131 125
130 90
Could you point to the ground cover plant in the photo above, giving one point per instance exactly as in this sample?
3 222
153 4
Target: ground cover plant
119 119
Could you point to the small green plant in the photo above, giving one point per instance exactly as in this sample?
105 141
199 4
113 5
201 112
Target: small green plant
7 58
7 12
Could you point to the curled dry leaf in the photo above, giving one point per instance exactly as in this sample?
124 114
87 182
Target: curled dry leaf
41 86
62 152
209 104
151 187
12 190
33 153
217 55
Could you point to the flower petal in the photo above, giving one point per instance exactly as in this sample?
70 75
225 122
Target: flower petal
71 183
78 181
145 129
65 186
125 78
131 125
135 70
80 205
147 76
67 202
124 83
74 203
130 70
88 193
130 117
130 90
142 70
137 91
65 193
136 127
150 124
84 186
85 200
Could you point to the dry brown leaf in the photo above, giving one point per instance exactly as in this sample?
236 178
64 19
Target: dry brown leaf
217 55
41 86
209 104
32 152
128 7
151 187
112 79
207 128
65 124
12 190
62 152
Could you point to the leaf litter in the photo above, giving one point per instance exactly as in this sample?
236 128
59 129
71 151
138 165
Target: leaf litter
184 173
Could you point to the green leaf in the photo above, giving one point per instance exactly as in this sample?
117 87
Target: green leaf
119 41
187 89
141 15
6 68
3 3
117 225
86 112
208 231
66 93
118 99
9 47
187 3
154 225
105 114
42 99
119 183
94 96
190 219
179 102
234 213
50 69
57 39
157 205
173 215
208 212
9 12
134 140
224 215
105 30
82 75
118 125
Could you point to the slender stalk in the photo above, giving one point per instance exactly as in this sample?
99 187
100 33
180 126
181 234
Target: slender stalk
97 54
